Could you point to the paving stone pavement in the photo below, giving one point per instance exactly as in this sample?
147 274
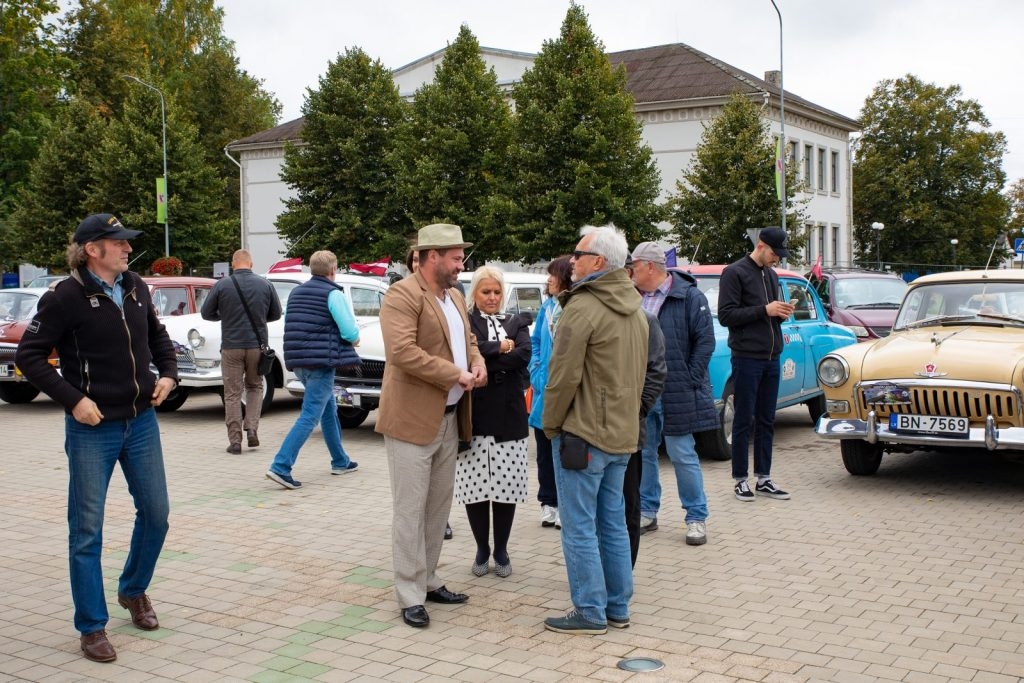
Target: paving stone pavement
916 574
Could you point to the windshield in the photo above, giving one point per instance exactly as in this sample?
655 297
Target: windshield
709 285
865 292
17 305
967 302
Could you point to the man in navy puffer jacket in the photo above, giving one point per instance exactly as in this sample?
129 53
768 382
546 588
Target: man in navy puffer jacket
687 405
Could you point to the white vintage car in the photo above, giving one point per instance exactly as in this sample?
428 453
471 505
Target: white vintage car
357 390
198 341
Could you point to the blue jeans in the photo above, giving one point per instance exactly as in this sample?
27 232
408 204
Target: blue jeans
755 392
594 538
318 406
92 453
650 483
683 455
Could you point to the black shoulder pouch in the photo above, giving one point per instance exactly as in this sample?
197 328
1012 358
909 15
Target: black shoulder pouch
573 452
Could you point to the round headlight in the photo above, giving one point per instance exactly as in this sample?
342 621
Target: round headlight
195 340
833 371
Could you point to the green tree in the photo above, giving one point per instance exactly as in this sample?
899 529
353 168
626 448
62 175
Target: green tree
1015 196
458 147
124 167
30 82
345 173
577 155
48 206
928 167
729 188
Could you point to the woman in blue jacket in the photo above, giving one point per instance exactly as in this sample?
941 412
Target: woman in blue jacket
542 340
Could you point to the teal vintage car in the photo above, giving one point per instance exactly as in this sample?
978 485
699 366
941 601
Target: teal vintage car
808 336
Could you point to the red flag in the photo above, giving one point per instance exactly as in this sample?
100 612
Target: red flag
289 265
375 268
816 269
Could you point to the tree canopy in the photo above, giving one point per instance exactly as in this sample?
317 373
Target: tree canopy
457 152
346 171
577 155
929 168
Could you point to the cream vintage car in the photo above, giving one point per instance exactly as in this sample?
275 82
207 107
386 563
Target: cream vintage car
951 374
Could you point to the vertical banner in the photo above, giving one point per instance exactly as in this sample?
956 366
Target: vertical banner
161 200
780 182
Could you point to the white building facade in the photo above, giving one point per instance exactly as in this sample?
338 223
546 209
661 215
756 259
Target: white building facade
677 90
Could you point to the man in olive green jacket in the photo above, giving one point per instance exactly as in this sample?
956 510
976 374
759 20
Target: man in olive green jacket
591 403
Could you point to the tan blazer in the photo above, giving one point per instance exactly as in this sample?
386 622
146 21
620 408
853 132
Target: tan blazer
419 368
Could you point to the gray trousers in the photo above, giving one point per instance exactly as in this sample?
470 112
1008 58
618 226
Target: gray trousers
422 481
240 368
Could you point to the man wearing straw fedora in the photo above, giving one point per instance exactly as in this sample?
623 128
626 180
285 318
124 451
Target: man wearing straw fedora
431 363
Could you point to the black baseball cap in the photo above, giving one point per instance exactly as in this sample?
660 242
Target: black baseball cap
103 226
777 239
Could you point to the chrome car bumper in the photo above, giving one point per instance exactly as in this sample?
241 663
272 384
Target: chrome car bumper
874 431
368 395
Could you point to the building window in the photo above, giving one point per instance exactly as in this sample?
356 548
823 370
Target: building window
835 244
821 169
809 166
834 168
821 242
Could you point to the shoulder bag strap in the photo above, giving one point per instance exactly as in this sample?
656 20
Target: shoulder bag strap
248 313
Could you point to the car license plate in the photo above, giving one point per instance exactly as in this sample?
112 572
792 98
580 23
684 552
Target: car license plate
933 425
6 370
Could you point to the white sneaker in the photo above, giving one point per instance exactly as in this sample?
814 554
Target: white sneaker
696 533
558 519
548 515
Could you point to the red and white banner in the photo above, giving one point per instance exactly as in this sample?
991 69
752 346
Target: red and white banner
289 265
375 268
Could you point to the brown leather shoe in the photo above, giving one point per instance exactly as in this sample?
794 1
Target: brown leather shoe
254 440
141 610
96 647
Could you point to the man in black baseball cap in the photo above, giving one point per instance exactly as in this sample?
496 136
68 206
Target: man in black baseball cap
103 226
777 239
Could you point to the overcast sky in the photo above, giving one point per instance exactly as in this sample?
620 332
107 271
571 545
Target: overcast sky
835 51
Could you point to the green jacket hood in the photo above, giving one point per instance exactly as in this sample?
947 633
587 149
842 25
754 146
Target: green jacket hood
609 290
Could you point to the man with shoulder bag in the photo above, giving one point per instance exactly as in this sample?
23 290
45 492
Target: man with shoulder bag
243 303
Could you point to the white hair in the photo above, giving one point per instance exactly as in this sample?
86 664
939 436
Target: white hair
608 241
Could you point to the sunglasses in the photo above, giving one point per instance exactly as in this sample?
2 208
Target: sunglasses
578 254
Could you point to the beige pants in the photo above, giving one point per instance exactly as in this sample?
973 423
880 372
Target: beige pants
240 368
422 481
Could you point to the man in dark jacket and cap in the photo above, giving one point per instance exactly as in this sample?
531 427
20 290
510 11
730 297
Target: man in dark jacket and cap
106 332
687 405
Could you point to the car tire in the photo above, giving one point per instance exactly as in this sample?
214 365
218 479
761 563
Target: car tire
17 392
174 400
816 407
351 417
860 457
717 444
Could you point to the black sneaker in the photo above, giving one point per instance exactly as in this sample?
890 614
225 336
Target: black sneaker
284 480
768 488
743 492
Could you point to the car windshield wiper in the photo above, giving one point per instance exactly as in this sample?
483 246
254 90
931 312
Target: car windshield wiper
1000 316
880 304
937 320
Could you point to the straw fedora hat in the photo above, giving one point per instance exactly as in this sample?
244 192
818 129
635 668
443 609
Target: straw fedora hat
440 236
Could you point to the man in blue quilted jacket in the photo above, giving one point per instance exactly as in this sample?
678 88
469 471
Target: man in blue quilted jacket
687 404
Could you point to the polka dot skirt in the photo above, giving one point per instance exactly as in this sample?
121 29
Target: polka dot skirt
490 470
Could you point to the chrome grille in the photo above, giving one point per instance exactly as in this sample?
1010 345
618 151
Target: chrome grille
952 402
7 352
367 372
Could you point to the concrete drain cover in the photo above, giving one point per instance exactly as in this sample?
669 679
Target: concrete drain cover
641 664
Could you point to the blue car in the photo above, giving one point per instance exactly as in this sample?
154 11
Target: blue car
808 336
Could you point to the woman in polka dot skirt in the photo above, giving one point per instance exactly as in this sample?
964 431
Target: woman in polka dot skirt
491 474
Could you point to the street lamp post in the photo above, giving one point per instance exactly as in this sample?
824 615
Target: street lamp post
878 228
783 147
163 122
954 242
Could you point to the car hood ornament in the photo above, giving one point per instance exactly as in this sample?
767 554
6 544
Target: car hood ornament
930 371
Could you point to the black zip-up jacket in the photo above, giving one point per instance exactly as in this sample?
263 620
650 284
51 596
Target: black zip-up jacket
223 304
744 290
104 353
